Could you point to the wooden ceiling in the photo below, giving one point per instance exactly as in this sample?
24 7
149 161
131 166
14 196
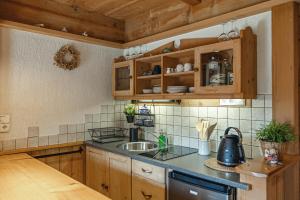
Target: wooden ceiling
119 21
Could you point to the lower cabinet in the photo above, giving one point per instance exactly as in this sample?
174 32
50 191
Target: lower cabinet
148 181
108 173
147 189
121 178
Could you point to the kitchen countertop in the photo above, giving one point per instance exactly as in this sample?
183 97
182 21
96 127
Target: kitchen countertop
23 177
191 164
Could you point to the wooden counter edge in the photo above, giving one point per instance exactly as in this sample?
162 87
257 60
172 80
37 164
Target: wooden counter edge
26 150
259 168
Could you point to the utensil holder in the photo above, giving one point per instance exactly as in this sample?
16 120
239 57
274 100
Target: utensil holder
204 147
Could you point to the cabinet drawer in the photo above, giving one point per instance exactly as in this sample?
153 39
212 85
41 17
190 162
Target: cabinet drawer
148 171
145 189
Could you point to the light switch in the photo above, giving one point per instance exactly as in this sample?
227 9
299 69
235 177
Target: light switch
4 128
4 119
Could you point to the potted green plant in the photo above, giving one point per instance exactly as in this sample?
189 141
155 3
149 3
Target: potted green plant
130 111
274 138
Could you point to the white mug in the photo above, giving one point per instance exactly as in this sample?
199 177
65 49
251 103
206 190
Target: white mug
169 70
187 67
179 68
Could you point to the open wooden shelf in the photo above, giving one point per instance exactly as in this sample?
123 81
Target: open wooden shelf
180 73
157 76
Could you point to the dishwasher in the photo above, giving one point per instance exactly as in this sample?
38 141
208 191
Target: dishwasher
186 187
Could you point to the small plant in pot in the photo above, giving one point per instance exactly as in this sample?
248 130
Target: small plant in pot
130 111
274 138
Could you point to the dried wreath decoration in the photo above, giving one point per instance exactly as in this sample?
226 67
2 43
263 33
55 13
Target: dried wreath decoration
67 57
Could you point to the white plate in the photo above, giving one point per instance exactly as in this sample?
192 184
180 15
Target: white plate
147 91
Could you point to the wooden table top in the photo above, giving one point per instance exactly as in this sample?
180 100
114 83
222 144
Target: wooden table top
25 178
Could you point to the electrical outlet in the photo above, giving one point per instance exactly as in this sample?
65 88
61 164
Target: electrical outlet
4 119
4 128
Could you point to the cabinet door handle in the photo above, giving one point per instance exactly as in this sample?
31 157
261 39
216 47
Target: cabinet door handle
104 186
146 171
130 77
196 69
146 196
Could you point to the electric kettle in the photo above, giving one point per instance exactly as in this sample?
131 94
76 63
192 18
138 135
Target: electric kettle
231 152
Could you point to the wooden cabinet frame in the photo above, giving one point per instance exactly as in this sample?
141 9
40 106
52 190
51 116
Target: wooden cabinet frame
116 66
235 46
244 68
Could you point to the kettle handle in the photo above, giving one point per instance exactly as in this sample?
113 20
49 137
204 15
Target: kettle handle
237 131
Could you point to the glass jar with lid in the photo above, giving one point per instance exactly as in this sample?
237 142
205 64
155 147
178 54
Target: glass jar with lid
214 75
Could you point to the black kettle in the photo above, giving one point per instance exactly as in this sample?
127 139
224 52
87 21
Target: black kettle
231 152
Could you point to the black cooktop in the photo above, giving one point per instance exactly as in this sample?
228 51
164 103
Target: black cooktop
169 153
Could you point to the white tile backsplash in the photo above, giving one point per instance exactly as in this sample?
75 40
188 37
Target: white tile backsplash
258 114
193 111
185 111
202 111
177 110
245 113
212 112
233 113
222 113
170 110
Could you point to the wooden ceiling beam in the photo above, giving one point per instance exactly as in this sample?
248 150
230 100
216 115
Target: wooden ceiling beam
108 13
191 2
27 14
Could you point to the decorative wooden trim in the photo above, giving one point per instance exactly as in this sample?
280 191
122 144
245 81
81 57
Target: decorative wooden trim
25 150
60 34
244 12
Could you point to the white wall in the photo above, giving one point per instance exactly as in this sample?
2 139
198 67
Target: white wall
261 26
37 93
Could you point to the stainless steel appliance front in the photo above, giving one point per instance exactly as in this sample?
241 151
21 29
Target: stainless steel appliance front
182 186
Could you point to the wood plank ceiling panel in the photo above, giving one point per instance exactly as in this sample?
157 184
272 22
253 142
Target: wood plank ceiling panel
177 14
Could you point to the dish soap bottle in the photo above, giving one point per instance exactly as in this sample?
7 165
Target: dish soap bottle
162 140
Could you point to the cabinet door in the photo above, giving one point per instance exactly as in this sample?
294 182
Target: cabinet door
119 177
122 80
145 189
218 68
97 170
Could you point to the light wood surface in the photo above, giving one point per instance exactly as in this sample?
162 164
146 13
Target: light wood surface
106 28
119 177
60 34
108 173
146 21
192 2
285 82
26 150
97 170
149 171
147 189
130 91
240 52
209 21
23 177
69 164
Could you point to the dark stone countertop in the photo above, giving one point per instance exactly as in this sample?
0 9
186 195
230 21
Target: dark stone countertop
191 164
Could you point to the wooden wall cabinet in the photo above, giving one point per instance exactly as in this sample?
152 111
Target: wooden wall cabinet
241 83
108 173
122 78
236 76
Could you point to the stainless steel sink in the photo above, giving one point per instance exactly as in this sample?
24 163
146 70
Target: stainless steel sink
139 146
